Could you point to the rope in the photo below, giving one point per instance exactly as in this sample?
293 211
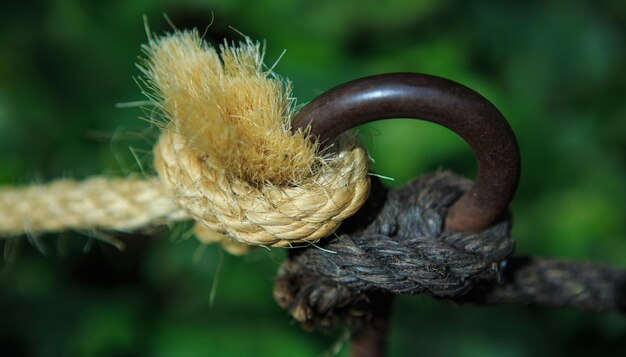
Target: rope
403 251
554 283
96 203
226 158
266 215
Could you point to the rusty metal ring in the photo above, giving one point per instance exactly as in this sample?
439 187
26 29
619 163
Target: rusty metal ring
421 96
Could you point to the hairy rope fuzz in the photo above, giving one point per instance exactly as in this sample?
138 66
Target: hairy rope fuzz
227 153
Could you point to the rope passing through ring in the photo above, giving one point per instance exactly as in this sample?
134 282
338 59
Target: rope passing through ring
447 234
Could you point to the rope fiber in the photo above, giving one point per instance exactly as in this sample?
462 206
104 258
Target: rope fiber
96 203
229 158
403 250
226 157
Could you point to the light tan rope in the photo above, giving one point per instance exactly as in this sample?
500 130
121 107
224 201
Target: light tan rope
96 203
266 215
226 158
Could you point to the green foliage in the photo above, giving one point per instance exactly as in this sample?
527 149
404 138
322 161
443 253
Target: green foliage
555 70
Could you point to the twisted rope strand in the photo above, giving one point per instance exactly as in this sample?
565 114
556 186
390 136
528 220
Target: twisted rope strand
226 158
95 203
404 250
266 215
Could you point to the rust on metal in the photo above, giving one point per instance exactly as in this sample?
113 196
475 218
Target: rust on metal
420 96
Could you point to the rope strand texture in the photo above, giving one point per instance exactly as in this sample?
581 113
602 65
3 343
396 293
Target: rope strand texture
398 247
266 215
96 203
403 251
226 157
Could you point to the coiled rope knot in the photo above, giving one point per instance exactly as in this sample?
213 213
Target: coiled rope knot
261 215
227 153
404 250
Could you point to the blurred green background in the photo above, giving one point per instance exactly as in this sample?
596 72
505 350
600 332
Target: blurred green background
555 69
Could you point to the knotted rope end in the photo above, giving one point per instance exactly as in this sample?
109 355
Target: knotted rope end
227 152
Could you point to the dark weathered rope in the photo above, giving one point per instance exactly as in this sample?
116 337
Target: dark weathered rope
403 250
554 283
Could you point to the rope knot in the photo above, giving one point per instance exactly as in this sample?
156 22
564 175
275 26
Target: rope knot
227 153
404 250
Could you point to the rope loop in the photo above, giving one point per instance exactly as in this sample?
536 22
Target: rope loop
262 215
227 154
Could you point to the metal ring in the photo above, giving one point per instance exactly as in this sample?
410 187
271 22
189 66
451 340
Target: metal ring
420 96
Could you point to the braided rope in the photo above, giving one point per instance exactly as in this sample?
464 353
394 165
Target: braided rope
403 251
190 188
227 153
265 215
95 203
226 158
